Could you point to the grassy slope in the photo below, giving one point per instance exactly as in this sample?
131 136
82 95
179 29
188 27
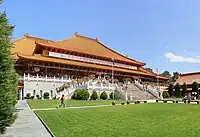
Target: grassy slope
141 120
54 103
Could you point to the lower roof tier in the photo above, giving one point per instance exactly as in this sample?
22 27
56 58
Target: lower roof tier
89 65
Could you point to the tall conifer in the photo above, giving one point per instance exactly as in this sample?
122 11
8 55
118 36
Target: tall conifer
8 75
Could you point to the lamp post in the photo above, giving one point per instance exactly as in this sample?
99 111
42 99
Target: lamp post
113 77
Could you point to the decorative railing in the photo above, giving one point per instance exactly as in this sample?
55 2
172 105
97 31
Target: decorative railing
29 77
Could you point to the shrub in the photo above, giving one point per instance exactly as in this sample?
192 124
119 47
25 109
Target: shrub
195 87
94 96
171 90
128 102
103 95
111 95
32 97
184 89
122 103
165 94
81 95
46 95
177 90
113 103
28 96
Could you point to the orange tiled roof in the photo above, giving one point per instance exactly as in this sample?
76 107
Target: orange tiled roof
77 63
149 72
89 46
189 78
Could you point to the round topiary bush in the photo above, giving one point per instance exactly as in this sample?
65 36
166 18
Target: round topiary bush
46 95
165 94
81 95
103 95
94 96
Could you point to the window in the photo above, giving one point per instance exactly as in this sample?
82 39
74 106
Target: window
41 93
51 93
34 93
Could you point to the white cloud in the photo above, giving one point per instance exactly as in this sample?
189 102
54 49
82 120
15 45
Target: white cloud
175 58
185 51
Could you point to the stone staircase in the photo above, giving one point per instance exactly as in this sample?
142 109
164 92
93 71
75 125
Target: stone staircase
137 94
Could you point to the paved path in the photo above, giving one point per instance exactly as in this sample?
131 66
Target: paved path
27 123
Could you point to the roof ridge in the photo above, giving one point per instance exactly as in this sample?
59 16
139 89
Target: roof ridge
78 35
34 37
191 73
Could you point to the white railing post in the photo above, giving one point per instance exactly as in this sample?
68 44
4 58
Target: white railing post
24 77
109 86
37 77
46 78
54 79
92 85
28 76
62 79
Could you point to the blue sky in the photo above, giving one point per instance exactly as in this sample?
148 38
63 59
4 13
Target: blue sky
165 34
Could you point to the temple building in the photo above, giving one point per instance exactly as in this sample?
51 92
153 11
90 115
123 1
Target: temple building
188 78
45 65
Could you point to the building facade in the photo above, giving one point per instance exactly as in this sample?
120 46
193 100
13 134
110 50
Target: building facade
45 65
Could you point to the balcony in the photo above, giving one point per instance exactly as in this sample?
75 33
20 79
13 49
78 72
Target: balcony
28 77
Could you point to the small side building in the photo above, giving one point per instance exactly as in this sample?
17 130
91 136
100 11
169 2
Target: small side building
189 78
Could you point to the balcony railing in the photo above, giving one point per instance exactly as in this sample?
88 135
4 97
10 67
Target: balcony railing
28 77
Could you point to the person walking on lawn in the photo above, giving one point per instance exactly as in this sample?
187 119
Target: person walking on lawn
62 104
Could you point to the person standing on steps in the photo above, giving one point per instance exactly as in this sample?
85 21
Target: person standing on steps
62 103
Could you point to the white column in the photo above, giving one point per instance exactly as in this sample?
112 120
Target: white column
62 79
46 78
37 77
20 94
24 77
92 85
109 86
54 79
28 76
126 96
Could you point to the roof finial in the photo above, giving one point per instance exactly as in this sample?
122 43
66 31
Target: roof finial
26 34
76 33
97 39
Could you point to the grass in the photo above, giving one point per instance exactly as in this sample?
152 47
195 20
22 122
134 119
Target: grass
141 120
75 103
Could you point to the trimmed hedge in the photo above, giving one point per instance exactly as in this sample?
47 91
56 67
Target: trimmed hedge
46 95
103 95
80 95
94 96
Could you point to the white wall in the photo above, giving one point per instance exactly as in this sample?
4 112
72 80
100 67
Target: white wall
29 86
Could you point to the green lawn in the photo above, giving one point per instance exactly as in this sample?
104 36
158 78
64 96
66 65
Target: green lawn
140 120
54 103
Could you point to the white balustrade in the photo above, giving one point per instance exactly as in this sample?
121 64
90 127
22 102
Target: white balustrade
45 78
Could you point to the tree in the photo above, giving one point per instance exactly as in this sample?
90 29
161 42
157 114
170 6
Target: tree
167 74
195 87
177 90
111 95
171 90
184 89
8 75
149 69
94 96
103 95
175 76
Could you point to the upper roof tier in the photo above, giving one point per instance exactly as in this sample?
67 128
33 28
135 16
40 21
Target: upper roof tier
81 44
